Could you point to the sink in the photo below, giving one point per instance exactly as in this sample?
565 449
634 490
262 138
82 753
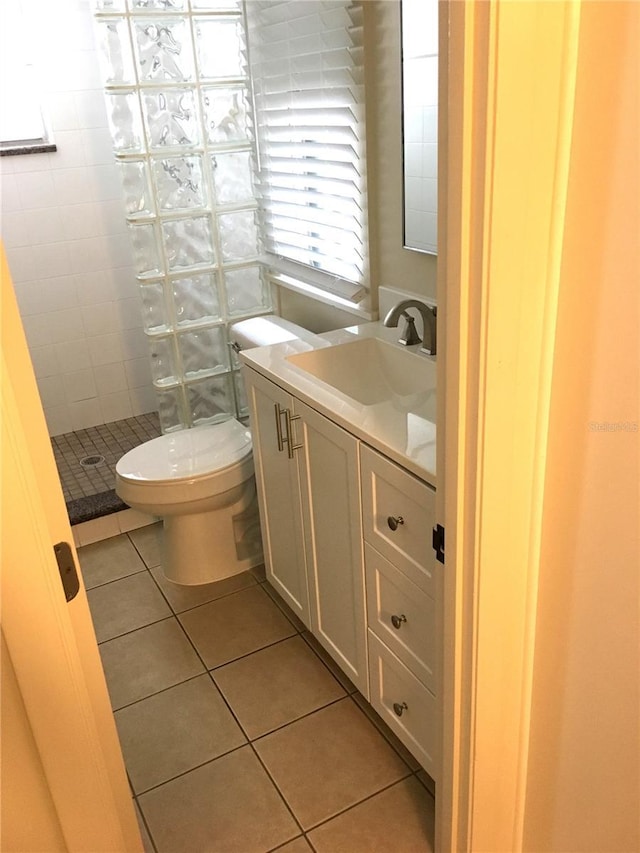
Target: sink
369 370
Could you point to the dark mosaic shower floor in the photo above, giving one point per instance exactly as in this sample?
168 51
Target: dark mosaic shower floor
86 461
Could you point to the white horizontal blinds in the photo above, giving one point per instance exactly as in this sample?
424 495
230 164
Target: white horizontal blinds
306 61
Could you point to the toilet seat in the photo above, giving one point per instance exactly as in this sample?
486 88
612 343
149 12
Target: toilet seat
187 465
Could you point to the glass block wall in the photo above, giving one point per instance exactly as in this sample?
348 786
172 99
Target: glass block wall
178 100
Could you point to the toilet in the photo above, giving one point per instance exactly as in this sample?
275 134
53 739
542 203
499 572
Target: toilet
201 482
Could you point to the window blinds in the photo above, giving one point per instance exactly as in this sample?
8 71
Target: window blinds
306 59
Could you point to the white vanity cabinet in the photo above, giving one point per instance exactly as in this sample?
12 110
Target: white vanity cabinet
278 493
347 542
403 604
307 471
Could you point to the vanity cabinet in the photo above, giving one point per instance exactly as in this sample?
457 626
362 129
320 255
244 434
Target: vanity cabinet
347 542
307 472
403 604
278 488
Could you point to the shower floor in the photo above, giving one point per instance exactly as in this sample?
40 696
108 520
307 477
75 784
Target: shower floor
86 461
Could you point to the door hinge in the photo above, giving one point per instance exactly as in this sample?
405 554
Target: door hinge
67 569
437 542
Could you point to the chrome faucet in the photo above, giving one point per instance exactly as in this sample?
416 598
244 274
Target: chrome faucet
410 336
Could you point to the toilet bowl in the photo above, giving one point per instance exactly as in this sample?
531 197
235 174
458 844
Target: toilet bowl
200 481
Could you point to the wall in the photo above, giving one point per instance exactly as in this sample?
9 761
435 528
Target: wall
391 264
64 231
583 784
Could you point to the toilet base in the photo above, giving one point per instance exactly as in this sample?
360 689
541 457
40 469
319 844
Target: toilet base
205 547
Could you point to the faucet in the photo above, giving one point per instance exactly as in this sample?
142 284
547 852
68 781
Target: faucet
410 335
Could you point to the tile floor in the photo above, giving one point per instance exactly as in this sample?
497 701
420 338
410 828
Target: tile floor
107 442
239 734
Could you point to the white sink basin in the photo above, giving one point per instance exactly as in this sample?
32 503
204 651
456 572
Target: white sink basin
369 370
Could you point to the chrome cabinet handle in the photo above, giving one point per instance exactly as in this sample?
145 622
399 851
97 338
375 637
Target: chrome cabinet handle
394 521
397 621
289 439
279 413
400 709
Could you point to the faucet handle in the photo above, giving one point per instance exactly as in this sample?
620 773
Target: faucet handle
410 334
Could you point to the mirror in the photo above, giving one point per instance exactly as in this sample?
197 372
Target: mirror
419 28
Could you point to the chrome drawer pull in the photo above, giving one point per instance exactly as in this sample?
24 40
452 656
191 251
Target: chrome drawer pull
397 621
279 413
394 521
289 429
400 709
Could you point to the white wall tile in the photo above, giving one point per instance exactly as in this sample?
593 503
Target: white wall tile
65 325
99 319
95 530
43 226
51 390
143 400
86 413
13 227
61 108
138 371
58 294
80 221
80 385
91 109
65 232
114 407
72 354
36 189
9 195
52 259
110 378
73 186
97 145
59 420
70 150
106 349
93 287
45 361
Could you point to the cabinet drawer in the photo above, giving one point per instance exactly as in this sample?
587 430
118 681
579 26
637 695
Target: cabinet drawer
392 498
406 705
403 617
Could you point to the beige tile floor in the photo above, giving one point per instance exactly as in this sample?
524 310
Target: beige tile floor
239 734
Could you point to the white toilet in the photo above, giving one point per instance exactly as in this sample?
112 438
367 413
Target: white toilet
200 481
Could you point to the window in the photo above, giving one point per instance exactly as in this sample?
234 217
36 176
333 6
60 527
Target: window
306 60
22 123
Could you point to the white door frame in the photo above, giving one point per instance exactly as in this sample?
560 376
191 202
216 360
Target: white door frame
510 81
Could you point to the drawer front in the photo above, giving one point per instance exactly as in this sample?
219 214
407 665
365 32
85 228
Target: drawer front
406 705
403 617
398 518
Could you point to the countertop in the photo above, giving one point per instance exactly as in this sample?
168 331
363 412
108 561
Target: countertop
402 428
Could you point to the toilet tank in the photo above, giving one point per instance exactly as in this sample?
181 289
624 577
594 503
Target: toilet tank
263 331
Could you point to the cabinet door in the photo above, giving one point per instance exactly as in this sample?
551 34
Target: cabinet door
278 493
330 492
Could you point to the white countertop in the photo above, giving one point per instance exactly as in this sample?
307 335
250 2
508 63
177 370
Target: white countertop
402 428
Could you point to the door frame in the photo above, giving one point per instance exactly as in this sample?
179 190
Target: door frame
509 85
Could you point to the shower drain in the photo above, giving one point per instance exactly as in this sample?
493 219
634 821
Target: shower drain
92 461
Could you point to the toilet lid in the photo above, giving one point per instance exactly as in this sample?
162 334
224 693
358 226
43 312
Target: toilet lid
187 454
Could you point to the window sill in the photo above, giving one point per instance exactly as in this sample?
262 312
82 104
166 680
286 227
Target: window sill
30 148
362 309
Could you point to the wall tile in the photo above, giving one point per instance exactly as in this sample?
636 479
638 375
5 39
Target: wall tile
134 344
111 378
10 197
88 255
138 372
130 312
31 163
36 189
80 221
71 354
43 226
45 361
51 390
58 294
70 153
52 259
23 264
61 107
97 146
74 186
115 406
14 227
29 297
93 287
86 413
37 329
99 319
59 420
91 109
106 349
143 400
65 325
80 385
